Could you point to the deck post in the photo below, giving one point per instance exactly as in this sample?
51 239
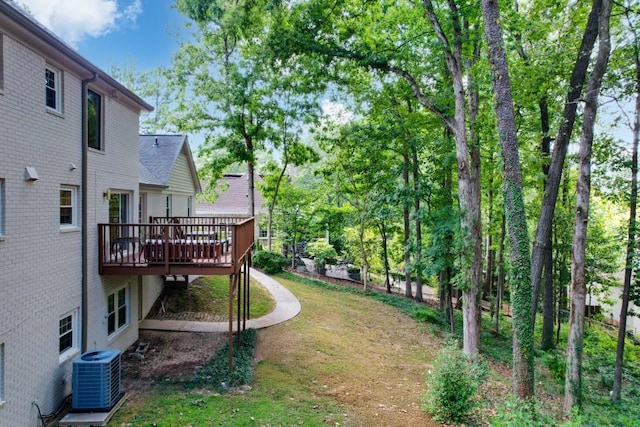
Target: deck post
249 285
239 297
246 293
230 337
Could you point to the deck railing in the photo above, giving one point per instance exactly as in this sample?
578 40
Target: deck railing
175 245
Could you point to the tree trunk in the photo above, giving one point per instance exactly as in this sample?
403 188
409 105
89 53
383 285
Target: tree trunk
445 288
560 147
468 178
523 356
418 220
385 257
547 306
631 242
272 205
547 342
500 290
489 251
363 254
407 230
573 380
251 188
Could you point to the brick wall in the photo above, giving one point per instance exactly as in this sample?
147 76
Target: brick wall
40 263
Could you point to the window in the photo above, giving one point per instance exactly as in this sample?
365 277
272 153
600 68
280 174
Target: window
68 202
168 205
1 373
68 335
142 208
94 120
117 308
190 206
119 208
263 233
1 65
53 89
2 205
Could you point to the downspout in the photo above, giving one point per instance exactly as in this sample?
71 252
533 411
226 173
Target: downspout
85 214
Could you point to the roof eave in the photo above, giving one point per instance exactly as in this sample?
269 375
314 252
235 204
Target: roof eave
51 41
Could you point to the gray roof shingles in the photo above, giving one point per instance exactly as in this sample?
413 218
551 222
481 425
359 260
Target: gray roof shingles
233 196
158 155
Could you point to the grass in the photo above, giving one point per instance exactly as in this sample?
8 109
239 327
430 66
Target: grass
210 294
216 375
334 364
355 359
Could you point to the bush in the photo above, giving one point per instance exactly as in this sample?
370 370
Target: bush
269 262
519 413
557 365
216 372
322 252
453 384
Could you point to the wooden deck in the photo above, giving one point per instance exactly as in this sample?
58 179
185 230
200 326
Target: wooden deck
180 246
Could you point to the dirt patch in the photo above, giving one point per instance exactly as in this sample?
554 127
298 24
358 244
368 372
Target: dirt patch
168 355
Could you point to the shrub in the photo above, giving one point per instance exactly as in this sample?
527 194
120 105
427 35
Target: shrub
453 384
269 262
557 365
519 413
322 251
216 372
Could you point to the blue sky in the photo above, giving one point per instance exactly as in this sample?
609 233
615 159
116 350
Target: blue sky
144 33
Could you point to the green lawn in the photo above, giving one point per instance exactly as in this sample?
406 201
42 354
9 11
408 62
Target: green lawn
210 294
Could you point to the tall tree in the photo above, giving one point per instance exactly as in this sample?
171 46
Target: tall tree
523 356
560 147
573 379
361 179
389 39
292 153
633 201
232 90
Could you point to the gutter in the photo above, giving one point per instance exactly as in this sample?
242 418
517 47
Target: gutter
85 214
50 40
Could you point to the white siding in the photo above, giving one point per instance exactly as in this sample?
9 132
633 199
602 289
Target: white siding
180 180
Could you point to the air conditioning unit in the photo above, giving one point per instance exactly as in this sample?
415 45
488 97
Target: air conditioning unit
96 381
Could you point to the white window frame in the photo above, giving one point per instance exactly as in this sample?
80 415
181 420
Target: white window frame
56 88
1 64
2 371
263 233
142 208
74 349
118 311
73 225
168 205
2 209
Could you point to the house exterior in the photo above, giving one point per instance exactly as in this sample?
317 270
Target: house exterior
233 200
168 186
68 161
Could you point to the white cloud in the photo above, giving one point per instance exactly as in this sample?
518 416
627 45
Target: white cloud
73 20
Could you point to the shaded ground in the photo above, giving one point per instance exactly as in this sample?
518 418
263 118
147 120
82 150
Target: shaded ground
368 358
366 355
174 355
